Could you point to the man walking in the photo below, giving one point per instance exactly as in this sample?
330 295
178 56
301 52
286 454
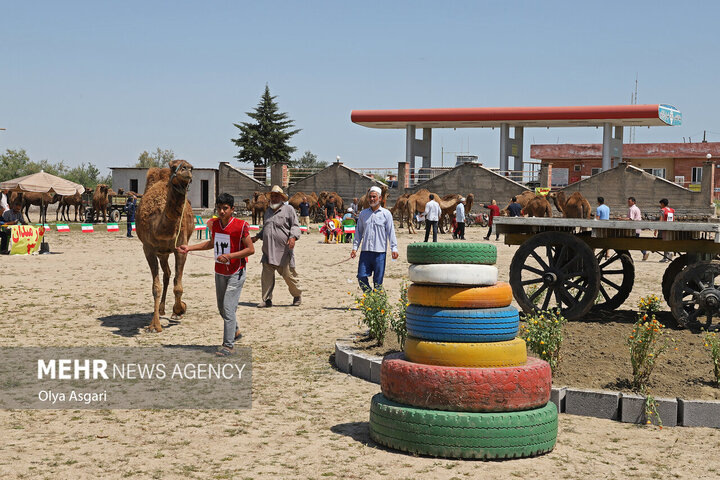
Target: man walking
432 215
667 214
494 212
305 214
279 232
634 214
374 228
130 207
460 219
603 211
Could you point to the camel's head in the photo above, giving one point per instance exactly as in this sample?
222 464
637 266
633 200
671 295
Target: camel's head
469 199
102 188
247 203
180 174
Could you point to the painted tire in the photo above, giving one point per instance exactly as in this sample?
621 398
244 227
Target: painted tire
498 295
466 389
462 324
423 253
463 434
510 353
445 274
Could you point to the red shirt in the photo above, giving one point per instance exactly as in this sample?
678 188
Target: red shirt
494 212
229 240
668 214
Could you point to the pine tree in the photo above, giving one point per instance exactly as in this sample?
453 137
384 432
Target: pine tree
266 141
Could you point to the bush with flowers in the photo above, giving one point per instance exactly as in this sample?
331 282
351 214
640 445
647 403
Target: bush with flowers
376 312
647 342
712 343
398 321
543 334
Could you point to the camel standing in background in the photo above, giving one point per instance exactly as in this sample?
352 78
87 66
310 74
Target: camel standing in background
165 221
449 212
100 201
324 196
258 205
522 200
41 200
538 207
399 207
575 206
67 201
417 201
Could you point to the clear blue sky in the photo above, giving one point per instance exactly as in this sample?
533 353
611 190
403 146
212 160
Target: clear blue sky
101 81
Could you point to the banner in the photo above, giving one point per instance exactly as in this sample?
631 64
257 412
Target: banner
200 227
542 191
253 227
133 226
25 239
62 228
113 227
86 227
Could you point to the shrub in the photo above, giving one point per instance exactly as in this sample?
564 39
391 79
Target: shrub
647 341
543 333
712 343
376 313
397 321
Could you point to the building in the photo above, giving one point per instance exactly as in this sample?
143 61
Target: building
202 192
680 163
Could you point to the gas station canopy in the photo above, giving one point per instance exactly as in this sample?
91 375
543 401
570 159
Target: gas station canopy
584 116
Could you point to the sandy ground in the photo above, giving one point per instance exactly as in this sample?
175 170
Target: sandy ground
308 420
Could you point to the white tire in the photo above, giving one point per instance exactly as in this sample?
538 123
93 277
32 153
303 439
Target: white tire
455 274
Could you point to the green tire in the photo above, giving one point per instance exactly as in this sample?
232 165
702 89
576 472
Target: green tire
463 434
476 253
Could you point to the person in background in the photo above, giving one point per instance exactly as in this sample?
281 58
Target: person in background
279 233
603 211
667 214
634 214
305 214
330 208
355 207
4 201
130 207
432 215
374 229
13 216
232 245
348 215
494 212
460 219
514 209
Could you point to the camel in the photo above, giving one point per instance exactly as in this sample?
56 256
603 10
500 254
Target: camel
575 206
67 201
324 196
537 207
522 199
165 221
100 201
399 207
258 205
448 212
417 201
41 200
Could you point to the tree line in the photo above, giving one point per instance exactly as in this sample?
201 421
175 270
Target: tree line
17 163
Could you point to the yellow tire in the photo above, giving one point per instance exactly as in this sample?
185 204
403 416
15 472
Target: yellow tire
511 353
498 295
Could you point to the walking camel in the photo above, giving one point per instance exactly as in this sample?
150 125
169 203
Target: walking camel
575 206
165 221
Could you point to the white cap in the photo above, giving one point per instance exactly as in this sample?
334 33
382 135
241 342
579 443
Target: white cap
349 210
376 189
462 199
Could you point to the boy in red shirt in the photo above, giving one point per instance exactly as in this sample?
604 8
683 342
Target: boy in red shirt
232 245
667 214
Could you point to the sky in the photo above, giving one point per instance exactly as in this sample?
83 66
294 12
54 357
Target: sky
102 81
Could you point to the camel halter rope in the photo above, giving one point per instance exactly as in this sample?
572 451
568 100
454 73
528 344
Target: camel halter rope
182 213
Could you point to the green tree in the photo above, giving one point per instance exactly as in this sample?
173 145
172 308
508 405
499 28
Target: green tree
305 166
266 140
16 163
86 175
159 158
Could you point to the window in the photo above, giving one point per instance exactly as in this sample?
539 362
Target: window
658 172
134 185
595 171
696 175
578 168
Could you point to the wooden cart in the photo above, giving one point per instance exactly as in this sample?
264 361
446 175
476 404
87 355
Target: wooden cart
579 265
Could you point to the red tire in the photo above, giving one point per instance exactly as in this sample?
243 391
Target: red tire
461 389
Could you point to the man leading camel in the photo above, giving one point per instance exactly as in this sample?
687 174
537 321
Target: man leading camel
374 228
279 232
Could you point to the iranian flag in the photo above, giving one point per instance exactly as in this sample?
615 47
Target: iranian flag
303 229
200 227
254 227
62 228
349 229
87 228
133 226
113 227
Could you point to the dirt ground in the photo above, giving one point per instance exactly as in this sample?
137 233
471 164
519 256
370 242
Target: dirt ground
308 420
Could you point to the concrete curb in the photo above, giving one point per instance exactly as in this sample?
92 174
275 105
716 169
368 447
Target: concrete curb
624 407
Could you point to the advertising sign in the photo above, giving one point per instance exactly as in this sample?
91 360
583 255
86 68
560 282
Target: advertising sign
670 115
25 239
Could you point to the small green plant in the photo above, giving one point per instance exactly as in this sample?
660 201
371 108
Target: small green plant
531 291
376 313
712 343
543 334
397 321
647 342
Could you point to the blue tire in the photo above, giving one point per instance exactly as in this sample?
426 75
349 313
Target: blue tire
462 324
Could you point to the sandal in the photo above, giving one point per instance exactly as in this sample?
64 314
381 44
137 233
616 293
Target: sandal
238 335
224 352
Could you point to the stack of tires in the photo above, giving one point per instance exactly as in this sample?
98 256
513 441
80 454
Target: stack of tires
464 386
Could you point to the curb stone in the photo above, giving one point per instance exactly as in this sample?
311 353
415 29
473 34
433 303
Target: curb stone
632 410
574 401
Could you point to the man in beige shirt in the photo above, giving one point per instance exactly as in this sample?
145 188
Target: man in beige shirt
279 233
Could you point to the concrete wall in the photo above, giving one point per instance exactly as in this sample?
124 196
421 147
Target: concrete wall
122 176
236 183
623 181
336 178
473 178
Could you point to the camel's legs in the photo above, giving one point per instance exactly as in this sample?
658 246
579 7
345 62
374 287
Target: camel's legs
179 308
154 271
166 279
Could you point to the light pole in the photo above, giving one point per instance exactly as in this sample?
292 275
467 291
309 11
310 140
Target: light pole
337 159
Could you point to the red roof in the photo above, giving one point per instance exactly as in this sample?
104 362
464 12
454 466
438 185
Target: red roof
618 115
630 150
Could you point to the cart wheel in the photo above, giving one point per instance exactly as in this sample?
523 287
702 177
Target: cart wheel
617 275
115 216
671 273
696 294
559 264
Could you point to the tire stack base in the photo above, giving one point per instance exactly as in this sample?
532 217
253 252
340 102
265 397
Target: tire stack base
464 386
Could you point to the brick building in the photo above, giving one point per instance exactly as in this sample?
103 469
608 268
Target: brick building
678 162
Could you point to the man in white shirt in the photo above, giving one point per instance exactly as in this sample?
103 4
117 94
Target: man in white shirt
432 215
460 219
634 214
4 201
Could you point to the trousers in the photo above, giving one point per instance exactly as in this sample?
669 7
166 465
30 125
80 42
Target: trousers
428 225
227 292
371 263
267 280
